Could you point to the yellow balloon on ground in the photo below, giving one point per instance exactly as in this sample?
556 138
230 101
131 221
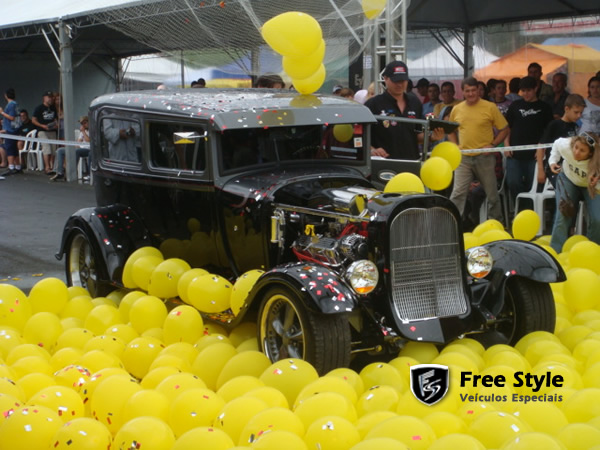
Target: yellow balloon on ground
488 225
148 433
582 289
405 182
15 307
235 415
436 173
457 440
424 352
351 377
165 277
571 241
271 396
293 34
194 408
142 269
43 329
493 235
109 398
377 398
494 428
29 428
270 419
579 435
312 83
251 363
327 383
279 439
139 354
533 441
185 280
303 67
242 332
64 401
31 384
211 438
377 374
210 293
330 433
102 317
290 376
526 225
48 295
372 8
238 386
83 434
380 444
146 402
411 431
444 423
585 255
183 324
343 132
210 361
324 404
242 287
78 307
448 151
147 312
127 277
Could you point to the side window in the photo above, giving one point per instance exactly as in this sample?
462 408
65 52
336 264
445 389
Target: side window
176 146
121 140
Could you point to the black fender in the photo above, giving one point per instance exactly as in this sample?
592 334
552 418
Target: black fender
513 258
325 290
115 231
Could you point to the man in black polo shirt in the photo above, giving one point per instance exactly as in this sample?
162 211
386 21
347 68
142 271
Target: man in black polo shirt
392 139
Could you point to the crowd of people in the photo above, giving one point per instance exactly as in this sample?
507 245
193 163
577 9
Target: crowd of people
48 121
530 114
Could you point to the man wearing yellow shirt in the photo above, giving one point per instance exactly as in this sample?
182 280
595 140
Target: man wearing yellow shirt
477 119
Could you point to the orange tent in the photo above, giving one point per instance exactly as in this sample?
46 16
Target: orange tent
579 62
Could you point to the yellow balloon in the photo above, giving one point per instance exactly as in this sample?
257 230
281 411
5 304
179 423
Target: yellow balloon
142 269
182 324
146 402
312 83
444 423
293 34
372 8
65 401
579 435
82 433
405 182
279 439
43 329
27 428
494 235
436 173
147 312
210 437
571 241
236 413
324 404
173 385
376 374
77 307
271 396
526 225
165 277
194 408
409 430
242 332
242 287
76 291
585 255
305 66
48 295
31 364
377 398
581 289
343 132
327 383
209 363
185 280
147 432
9 339
457 440
382 444
331 432
109 398
139 354
15 307
423 352
64 357
271 419
494 428
127 277
238 386
102 317
31 384
449 151
124 332
290 376
210 293
251 363
366 423
350 377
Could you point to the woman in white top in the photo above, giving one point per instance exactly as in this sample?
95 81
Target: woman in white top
590 119
578 179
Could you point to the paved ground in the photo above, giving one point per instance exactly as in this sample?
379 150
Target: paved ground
33 211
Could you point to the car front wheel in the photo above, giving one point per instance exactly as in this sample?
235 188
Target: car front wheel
288 330
83 266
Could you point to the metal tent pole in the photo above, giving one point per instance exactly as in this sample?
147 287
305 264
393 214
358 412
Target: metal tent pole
66 76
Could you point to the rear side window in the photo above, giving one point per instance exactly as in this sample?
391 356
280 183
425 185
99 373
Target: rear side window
121 140
177 146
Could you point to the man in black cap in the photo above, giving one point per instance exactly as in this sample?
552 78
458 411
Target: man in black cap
391 139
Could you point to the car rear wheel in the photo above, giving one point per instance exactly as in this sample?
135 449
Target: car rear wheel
84 267
528 306
288 330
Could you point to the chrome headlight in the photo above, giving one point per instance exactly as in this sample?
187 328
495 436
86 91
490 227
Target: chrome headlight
362 276
479 262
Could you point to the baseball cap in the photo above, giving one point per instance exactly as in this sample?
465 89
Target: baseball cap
423 82
48 94
337 87
396 71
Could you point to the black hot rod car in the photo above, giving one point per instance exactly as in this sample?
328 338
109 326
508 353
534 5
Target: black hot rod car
282 183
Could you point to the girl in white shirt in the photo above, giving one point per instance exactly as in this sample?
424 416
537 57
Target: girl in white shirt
578 180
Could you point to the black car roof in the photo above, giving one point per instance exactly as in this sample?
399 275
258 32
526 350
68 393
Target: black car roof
242 108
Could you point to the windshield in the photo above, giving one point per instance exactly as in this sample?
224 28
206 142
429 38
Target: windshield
342 143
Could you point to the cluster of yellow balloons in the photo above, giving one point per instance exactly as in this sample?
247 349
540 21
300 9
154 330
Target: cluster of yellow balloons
148 271
164 379
299 39
436 172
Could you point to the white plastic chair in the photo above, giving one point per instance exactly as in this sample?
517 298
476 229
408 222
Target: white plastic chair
33 150
538 199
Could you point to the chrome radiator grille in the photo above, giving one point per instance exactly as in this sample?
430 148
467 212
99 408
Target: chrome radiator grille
426 268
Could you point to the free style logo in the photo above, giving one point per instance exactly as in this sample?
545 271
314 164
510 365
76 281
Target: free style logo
429 382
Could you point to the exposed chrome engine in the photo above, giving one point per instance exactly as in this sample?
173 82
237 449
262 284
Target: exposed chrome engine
331 251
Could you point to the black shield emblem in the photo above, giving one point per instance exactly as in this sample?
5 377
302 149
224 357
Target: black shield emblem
429 382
